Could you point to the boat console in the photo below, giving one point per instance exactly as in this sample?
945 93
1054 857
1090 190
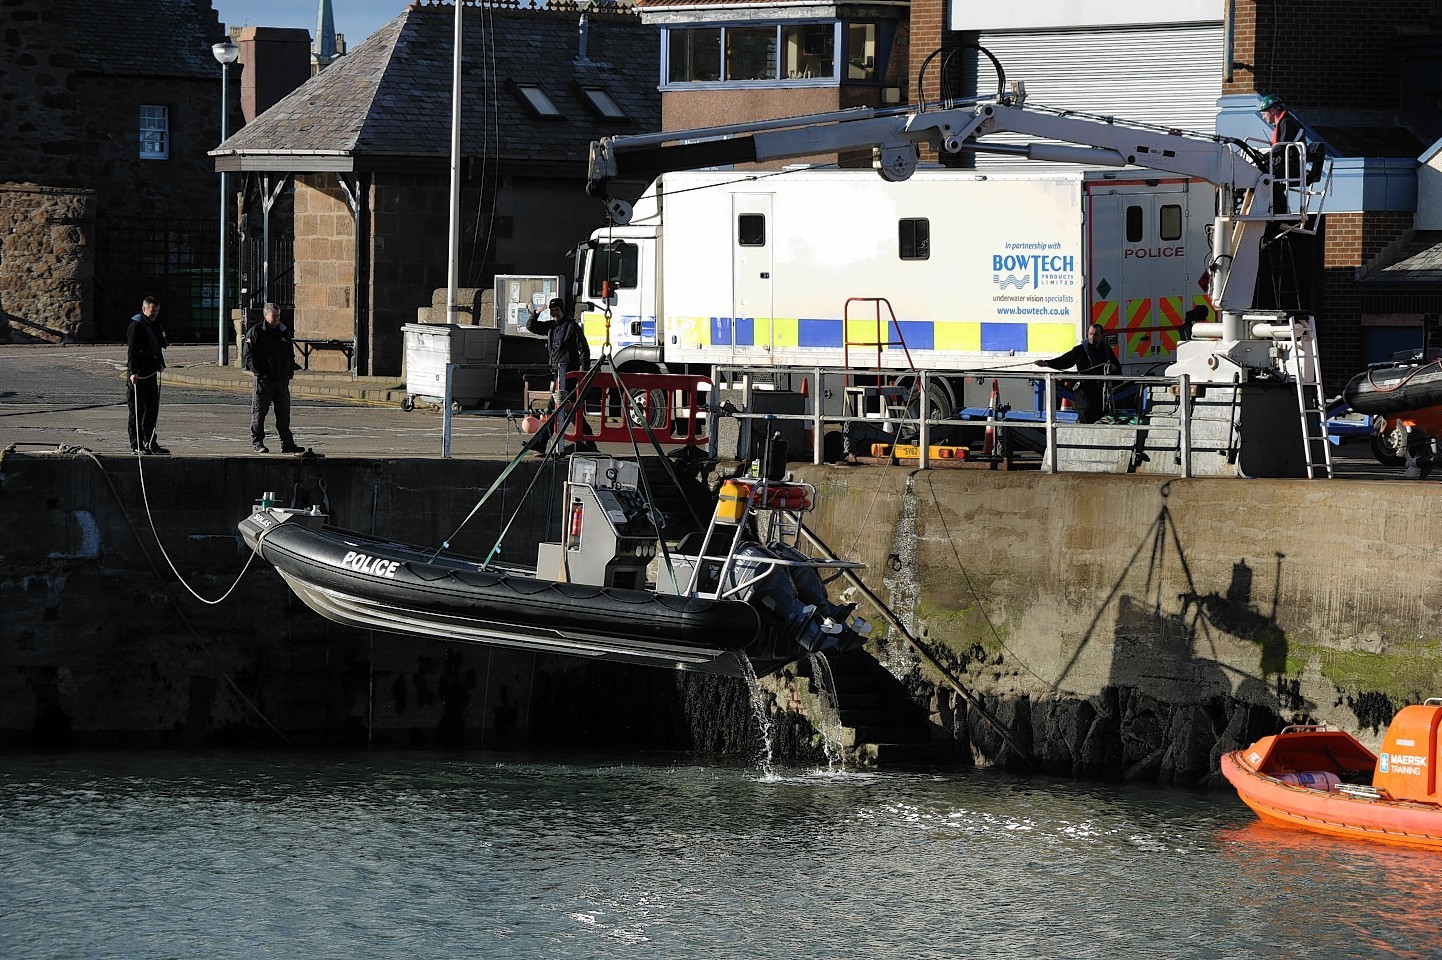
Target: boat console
608 536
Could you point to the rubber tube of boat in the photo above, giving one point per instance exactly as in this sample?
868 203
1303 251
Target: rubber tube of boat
1323 780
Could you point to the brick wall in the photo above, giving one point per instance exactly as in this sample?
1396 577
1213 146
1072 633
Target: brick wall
47 259
1336 54
1352 240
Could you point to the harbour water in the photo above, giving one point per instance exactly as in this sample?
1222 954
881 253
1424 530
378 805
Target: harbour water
223 855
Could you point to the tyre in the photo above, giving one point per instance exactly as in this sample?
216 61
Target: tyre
408 404
1386 444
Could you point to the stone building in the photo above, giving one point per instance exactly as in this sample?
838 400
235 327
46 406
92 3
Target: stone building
106 192
364 150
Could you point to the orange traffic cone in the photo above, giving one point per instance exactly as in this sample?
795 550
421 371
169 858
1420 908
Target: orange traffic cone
988 442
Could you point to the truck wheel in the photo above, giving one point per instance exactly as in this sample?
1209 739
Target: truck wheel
1385 444
940 405
408 404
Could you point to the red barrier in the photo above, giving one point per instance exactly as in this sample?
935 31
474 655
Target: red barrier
674 404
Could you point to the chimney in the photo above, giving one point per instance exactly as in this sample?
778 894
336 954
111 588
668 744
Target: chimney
276 60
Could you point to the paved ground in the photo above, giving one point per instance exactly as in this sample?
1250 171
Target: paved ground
75 395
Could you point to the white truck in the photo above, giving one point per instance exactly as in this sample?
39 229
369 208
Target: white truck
733 302
812 267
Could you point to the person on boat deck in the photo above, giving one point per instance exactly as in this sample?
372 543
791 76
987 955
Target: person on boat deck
1094 356
566 349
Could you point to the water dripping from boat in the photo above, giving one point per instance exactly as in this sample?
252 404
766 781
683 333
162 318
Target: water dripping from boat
758 710
828 718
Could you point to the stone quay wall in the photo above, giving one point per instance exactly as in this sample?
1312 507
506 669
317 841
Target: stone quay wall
1116 626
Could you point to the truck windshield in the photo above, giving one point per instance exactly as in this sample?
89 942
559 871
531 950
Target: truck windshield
615 261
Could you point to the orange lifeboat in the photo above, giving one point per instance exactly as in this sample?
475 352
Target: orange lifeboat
1313 778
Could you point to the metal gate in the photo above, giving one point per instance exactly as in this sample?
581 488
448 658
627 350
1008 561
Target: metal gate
173 260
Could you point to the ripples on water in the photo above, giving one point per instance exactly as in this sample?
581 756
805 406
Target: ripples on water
217 856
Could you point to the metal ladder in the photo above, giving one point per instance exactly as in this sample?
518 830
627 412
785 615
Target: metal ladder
1305 367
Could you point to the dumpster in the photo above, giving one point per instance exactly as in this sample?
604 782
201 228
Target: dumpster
430 347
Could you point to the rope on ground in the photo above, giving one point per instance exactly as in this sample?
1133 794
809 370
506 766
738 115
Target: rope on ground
943 672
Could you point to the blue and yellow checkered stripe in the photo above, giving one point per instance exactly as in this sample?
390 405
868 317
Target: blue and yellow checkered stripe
962 336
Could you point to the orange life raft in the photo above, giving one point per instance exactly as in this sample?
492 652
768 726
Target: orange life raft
1313 778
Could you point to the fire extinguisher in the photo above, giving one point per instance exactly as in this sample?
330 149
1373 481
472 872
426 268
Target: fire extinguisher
578 514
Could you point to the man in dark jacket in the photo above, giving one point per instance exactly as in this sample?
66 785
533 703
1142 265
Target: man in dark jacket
145 344
268 355
566 348
1095 356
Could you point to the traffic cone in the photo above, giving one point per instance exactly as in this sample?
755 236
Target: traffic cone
988 442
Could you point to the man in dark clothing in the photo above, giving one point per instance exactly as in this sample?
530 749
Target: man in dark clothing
566 348
1094 356
1285 129
145 344
268 355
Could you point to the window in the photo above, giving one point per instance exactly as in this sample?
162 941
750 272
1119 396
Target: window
535 98
809 50
695 55
1134 224
752 53
861 51
154 132
617 262
603 103
751 230
1171 227
914 236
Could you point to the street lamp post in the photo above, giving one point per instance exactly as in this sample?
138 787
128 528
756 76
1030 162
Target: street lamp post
225 54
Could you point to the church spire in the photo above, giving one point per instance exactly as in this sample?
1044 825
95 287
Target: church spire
325 50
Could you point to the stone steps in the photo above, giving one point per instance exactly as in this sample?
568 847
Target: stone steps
880 724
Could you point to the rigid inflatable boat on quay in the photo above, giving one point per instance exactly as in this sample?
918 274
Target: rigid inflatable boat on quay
611 588
1314 778
1409 392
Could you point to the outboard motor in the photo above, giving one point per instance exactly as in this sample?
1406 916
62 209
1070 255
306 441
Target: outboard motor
793 599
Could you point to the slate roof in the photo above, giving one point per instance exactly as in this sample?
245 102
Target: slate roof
387 103
141 38
1417 260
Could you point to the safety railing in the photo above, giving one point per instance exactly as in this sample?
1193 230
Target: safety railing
827 399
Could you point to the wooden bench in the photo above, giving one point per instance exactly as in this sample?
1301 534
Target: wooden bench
307 345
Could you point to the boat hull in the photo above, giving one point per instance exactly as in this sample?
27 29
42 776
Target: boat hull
380 585
1412 393
1332 813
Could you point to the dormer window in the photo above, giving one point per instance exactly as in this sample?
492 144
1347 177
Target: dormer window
603 103
534 97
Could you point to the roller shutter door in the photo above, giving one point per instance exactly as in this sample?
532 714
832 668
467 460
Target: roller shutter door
1170 76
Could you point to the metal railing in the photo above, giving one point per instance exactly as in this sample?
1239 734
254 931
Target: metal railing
737 389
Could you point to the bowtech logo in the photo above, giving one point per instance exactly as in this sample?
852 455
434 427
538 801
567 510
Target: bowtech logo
1021 269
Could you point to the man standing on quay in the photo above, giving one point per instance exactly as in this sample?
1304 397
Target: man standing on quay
268 355
145 344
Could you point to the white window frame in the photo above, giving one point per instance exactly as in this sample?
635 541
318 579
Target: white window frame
828 81
154 124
